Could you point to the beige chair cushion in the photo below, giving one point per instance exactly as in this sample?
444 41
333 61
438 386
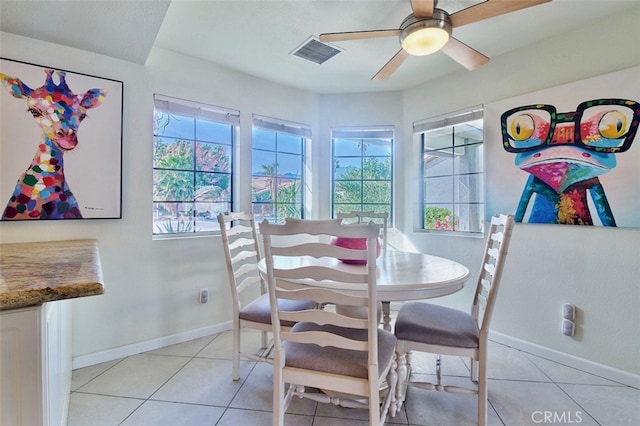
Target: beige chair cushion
335 360
436 325
259 310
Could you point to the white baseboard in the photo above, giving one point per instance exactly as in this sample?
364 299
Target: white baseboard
149 345
585 365
591 367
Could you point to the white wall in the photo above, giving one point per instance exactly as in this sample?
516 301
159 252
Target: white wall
355 109
151 286
597 269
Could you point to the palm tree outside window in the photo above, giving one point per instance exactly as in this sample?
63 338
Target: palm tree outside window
277 171
192 165
362 175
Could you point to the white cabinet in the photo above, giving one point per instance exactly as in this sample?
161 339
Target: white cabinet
37 281
35 364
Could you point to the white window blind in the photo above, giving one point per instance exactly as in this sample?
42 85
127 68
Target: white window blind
451 119
282 126
373 133
171 105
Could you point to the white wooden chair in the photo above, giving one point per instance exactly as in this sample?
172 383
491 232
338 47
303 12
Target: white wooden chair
440 330
242 254
381 218
348 358
362 217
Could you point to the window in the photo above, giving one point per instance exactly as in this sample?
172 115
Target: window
453 172
192 165
362 170
277 170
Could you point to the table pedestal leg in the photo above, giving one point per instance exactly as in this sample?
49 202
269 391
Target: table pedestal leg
386 315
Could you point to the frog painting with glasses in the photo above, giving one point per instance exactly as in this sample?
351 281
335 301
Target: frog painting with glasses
564 153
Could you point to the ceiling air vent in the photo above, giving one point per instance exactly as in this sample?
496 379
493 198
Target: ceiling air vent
315 51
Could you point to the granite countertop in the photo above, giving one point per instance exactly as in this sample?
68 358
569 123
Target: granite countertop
39 272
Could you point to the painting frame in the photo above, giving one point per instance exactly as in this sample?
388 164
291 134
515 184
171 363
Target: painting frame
61 143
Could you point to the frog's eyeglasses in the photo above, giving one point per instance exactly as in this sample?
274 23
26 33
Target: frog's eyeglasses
602 125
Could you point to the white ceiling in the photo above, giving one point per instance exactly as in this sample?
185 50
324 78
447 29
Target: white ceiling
257 37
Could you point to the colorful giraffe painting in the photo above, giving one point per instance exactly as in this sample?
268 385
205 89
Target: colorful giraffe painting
42 192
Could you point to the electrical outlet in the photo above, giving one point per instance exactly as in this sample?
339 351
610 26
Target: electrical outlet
569 311
568 327
204 295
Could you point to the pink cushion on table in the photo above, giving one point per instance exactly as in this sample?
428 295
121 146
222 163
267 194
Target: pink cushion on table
354 243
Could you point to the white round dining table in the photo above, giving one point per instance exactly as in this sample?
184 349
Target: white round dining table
401 275
409 276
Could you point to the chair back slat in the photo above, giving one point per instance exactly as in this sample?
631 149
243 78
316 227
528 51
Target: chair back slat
481 301
241 243
489 270
321 273
319 316
494 252
377 217
243 255
319 249
247 282
496 248
239 229
244 270
324 339
242 252
291 290
301 227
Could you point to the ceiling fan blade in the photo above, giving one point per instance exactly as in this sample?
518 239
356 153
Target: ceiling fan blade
489 9
357 35
422 8
389 68
464 55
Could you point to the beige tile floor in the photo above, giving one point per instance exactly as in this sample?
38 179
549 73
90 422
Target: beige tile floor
190 384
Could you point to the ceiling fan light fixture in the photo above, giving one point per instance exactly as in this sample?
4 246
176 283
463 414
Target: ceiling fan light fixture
420 37
425 41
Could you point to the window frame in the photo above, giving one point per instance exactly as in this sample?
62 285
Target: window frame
449 223
280 129
191 224
364 133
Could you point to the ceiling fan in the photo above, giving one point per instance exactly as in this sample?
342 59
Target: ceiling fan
428 30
